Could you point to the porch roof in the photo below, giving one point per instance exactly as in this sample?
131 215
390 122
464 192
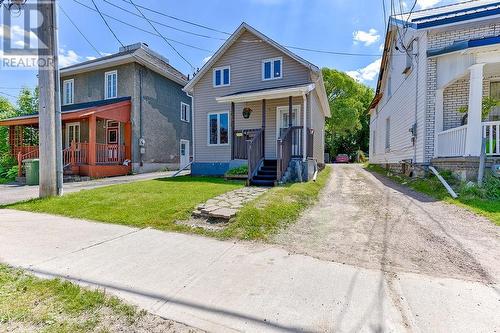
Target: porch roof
268 93
114 109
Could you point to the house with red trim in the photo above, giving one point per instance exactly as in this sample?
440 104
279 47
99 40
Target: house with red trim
123 113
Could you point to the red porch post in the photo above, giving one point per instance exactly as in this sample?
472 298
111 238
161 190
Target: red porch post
128 140
92 139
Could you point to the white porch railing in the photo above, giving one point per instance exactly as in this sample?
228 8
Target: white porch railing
451 143
491 132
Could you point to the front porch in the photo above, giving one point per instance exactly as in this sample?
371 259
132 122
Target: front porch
270 128
462 135
96 138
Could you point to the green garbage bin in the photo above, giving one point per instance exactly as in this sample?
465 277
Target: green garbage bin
32 167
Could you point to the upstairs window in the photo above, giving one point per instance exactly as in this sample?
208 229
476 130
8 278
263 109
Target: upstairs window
110 85
222 76
218 128
185 112
68 91
272 69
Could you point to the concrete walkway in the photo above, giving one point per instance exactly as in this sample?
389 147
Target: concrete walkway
231 287
11 193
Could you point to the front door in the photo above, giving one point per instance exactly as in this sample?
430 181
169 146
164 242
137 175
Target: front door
72 133
184 153
282 122
112 140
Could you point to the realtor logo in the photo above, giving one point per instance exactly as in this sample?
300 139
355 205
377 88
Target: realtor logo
22 47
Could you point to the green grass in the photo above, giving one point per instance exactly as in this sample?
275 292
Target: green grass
33 304
490 208
155 203
274 210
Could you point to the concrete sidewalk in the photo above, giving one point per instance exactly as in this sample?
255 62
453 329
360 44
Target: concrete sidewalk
229 287
11 193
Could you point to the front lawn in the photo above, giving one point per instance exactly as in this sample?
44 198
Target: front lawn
468 198
156 203
30 304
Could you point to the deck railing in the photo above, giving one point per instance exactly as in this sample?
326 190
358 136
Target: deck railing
255 152
284 151
110 153
76 154
240 142
451 143
491 134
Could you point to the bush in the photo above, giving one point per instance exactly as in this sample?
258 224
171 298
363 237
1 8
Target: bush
490 189
238 171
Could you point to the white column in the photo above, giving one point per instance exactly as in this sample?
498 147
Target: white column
304 130
438 119
474 130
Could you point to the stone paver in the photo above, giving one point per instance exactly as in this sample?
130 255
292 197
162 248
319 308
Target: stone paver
227 205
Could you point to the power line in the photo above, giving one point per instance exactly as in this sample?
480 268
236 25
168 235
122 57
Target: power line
8 94
105 22
76 27
180 19
163 24
166 41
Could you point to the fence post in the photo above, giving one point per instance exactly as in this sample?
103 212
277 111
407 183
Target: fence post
19 164
72 153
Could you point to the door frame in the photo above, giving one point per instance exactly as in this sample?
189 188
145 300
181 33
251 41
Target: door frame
67 132
187 151
279 110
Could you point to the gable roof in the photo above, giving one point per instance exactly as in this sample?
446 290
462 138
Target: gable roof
230 41
139 53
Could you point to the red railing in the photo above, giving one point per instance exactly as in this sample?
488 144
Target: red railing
110 153
76 154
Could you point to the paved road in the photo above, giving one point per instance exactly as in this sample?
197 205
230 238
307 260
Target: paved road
10 193
369 221
231 287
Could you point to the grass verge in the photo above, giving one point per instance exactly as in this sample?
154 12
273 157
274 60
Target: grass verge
30 304
275 209
154 203
490 208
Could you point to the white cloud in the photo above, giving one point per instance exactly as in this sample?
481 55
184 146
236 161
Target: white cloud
206 59
367 37
68 58
15 34
90 58
368 73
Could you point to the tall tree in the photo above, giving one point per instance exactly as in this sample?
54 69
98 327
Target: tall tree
347 131
27 102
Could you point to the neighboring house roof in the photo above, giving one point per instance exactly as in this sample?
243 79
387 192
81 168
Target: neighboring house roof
230 41
66 109
464 45
139 53
449 14
436 17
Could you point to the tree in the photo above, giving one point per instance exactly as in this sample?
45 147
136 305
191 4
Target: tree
27 102
348 129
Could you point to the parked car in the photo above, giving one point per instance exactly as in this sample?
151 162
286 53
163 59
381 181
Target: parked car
342 158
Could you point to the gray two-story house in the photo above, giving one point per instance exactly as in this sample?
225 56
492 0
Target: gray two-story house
256 103
121 113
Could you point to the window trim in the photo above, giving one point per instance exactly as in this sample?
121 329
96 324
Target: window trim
272 60
221 69
72 91
218 129
106 74
188 113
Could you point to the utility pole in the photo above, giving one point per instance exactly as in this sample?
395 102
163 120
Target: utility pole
50 133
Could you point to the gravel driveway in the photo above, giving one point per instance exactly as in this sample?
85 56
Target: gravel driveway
366 220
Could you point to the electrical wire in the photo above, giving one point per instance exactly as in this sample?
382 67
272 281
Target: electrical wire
76 27
163 37
105 22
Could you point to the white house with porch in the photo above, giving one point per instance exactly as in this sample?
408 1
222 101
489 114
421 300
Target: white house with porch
438 67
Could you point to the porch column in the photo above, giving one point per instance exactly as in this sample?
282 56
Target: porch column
290 107
12 142
474 130
92 139
304 130
438 119
232 131
264 126
128 140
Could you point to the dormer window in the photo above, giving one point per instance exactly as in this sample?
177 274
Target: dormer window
272 69
68 91
222 76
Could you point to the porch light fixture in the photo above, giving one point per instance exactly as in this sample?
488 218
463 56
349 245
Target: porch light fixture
247 112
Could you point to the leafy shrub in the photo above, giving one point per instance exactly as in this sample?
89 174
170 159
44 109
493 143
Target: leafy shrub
12 173
238 171
490 189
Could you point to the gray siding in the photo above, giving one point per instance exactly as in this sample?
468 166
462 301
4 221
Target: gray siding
245 58
318 121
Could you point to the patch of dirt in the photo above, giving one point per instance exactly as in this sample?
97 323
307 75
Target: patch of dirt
366 220
209 224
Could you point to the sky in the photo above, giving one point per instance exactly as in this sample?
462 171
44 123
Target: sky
352 26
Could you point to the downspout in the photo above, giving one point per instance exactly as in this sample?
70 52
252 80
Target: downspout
416 101
304 130
141 131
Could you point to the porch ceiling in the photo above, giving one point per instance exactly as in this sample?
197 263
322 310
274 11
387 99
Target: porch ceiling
270 93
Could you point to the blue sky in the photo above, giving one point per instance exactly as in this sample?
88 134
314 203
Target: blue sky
355 26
